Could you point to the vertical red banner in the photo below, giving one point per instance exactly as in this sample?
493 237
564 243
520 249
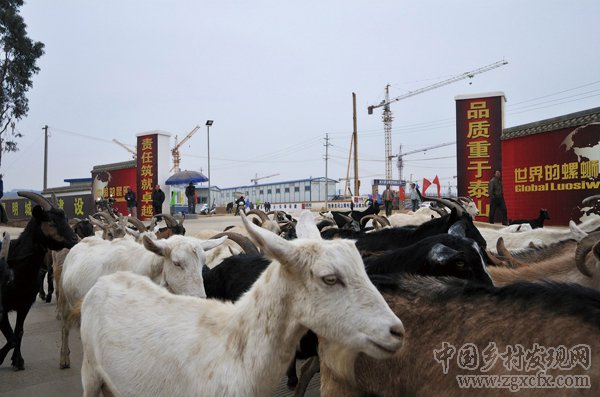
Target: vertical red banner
147 173
479 123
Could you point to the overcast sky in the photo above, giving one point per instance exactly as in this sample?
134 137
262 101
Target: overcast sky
276 76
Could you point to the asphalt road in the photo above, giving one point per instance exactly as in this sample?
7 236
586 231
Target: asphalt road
41 343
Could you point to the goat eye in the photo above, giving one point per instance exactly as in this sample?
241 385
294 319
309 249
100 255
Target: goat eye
330 280
177 264
460 265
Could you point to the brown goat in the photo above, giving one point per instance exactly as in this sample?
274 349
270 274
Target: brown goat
493 323
557 262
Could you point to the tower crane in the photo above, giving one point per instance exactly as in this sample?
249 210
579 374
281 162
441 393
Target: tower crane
400 155
257 178
133 152
175 150
387 113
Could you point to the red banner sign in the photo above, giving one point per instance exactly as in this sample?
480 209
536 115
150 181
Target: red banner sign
147 173
478 150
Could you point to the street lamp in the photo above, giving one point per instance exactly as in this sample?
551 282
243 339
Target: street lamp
208 124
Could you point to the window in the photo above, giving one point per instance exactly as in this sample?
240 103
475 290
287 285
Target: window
260 191
287 189
268 191
296 188
278 190
307 188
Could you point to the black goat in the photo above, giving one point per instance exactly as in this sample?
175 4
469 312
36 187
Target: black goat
457 222
47 229
535 223
340 216
6 274
440 255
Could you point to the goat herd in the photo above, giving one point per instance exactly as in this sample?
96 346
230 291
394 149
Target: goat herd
416 304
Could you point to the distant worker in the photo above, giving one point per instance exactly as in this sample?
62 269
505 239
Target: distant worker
131 202
239 205
158 198
497 198
388 200
414 197
3 216
190 193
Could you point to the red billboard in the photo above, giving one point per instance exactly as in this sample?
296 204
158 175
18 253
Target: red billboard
113 181
479 122
554 170
148 173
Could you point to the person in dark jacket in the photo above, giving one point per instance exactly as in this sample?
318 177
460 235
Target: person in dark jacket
131 202
497 198
158 198
190 191
3 216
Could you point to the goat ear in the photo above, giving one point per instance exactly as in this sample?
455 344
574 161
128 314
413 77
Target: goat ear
39 213
210 244
159 247
441 255
577 232
306 227
457 229
273 245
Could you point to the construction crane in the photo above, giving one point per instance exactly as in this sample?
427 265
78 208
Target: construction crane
387 113
130 150
175 150
400 155
257 178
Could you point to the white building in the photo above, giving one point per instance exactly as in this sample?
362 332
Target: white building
298 191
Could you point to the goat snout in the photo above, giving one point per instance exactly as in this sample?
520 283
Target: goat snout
397 330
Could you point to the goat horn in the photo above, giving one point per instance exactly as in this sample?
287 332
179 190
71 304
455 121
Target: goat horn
106 215
505 253
440 211
96 222
494 259
583 247
169 220
346 218
5 246
137 223
450 204
591 198
263 217
244 242
38 199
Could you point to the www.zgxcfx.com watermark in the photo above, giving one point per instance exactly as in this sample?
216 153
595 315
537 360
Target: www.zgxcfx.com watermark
534 361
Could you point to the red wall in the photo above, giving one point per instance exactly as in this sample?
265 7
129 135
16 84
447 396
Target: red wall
555 170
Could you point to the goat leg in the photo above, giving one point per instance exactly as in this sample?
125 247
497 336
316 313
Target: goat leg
18 362
50 284
307 371
9 335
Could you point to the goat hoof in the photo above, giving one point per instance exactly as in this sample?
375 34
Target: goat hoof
42 296
64 366
48 298
18 365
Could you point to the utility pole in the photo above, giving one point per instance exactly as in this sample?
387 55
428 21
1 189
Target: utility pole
387 128
45 156
327 144
355 134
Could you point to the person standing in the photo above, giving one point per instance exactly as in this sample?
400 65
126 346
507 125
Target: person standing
190 192
131 202
158 198
388 199
414 197
497 198
3 216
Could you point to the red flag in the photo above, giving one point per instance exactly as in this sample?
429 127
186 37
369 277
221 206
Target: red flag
436 181
426 184
401 194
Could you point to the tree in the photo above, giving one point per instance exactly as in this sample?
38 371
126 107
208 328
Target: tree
18 56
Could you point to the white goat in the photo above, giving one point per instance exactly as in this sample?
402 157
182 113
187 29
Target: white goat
542 236
175 263
219 348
